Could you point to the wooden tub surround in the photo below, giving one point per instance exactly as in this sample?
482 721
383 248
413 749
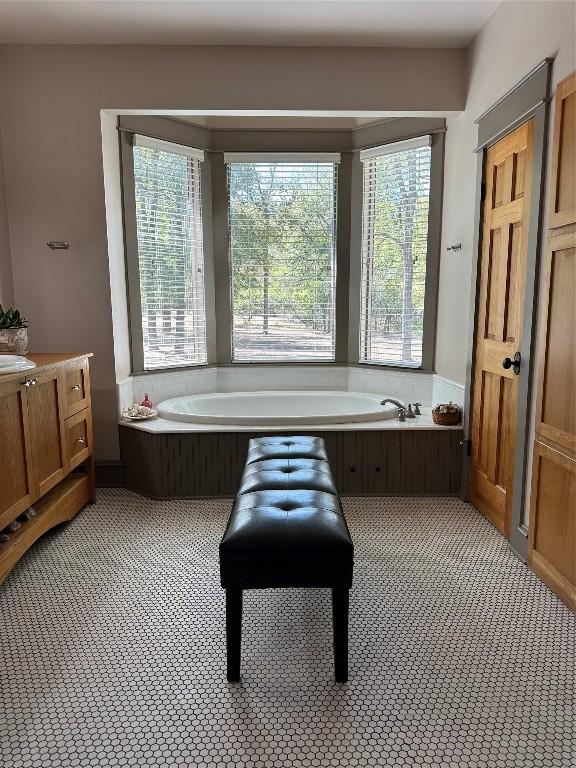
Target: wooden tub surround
163 459
46 457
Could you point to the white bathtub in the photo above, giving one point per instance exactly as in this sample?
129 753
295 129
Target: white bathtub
278 408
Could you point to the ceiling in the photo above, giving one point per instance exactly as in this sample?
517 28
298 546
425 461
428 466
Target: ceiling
213 122
372 23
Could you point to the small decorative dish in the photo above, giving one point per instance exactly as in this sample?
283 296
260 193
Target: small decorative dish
137 412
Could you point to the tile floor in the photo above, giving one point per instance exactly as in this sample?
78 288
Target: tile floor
112 649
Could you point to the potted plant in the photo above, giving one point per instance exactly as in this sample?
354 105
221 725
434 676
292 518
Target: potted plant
13 332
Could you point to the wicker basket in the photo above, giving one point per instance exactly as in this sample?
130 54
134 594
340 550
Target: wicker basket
13 341
448 419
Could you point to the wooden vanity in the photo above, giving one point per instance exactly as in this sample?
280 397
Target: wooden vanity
46 457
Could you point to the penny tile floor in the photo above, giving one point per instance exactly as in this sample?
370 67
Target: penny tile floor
112 648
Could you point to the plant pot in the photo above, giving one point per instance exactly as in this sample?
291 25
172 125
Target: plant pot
13 341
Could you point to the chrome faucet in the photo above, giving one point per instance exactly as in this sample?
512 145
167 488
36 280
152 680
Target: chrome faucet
397 403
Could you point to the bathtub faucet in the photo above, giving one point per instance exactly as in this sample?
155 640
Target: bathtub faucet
397 403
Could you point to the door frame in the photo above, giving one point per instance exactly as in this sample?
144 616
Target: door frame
529 99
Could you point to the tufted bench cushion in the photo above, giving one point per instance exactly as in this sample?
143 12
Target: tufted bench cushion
286 448
287 479
282 465
286 539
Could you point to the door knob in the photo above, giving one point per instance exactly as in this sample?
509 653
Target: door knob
514 363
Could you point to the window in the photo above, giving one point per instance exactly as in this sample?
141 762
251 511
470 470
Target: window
170 254
282 218
396 191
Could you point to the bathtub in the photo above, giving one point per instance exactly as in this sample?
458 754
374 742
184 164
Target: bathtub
278 408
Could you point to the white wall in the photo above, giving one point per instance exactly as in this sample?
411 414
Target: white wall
6 287
517 37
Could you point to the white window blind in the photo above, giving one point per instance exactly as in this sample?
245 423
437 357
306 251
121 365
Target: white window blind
170 253
396 190
282 218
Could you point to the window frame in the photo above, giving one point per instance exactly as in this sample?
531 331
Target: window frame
216 253
132 265
432 261
298 158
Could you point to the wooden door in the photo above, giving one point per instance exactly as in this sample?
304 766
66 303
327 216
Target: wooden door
502 272
15 456
552 523
46 412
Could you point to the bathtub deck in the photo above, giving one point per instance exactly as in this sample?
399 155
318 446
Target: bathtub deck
159 425
163 459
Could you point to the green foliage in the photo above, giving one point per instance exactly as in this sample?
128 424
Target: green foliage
282 243
11 318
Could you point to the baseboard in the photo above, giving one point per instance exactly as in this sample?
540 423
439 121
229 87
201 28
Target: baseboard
109 474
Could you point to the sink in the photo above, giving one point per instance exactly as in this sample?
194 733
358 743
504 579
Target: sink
15 364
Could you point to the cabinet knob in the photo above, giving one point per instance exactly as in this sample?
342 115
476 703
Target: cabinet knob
81 440
30 382
76 387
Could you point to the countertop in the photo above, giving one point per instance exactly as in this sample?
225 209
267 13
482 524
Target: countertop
165 426
44 361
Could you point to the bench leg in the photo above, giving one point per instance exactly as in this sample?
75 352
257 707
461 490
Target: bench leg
233 634
340 599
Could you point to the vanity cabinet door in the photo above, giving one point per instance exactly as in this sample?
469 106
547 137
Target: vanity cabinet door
46 413
15 455
79 437
77 386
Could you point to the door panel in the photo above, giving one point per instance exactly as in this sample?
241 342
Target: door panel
558 418
46 413
553 521
77 387
15 459
563 182
79 437
502 277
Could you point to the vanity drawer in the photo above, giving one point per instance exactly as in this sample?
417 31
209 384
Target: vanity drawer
79 437
77 387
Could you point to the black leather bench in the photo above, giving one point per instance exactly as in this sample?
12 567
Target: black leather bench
286 529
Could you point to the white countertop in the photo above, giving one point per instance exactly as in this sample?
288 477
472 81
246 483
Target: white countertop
165 426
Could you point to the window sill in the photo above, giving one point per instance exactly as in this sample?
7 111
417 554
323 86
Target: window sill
392 367
281 363
173 369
